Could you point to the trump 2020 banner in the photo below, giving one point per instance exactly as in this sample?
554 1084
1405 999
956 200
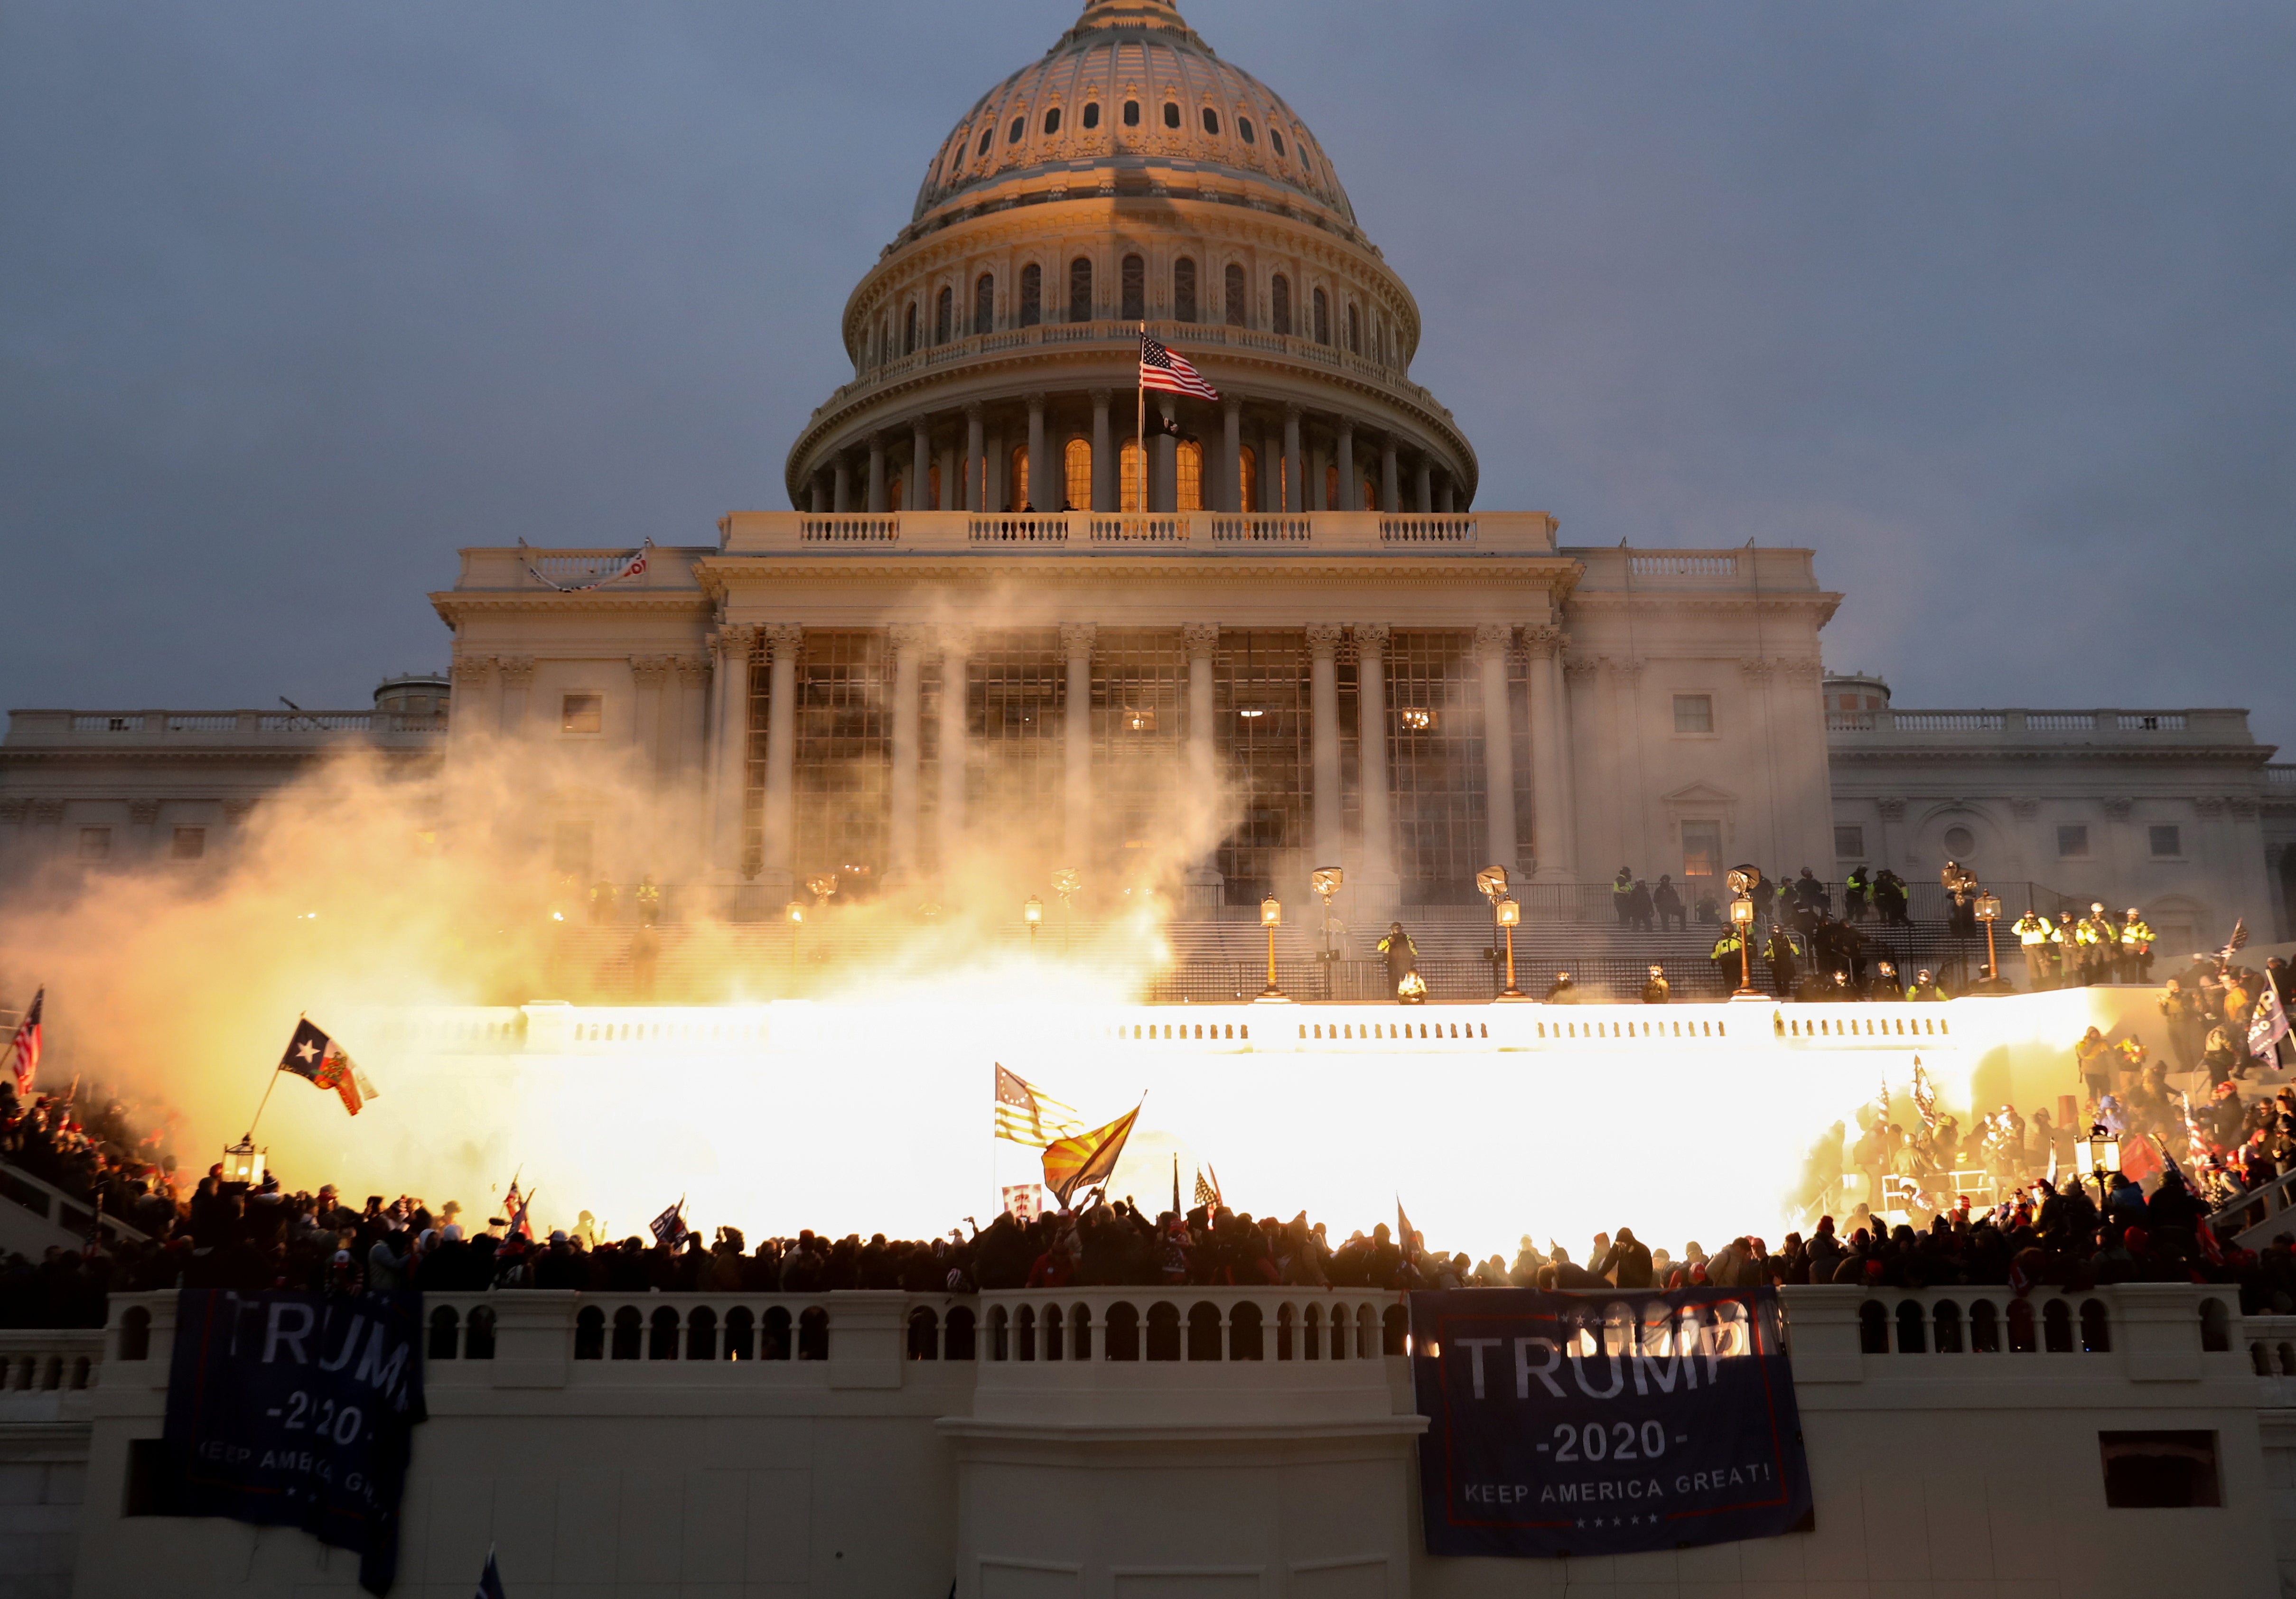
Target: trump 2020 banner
1604 1424
295 1409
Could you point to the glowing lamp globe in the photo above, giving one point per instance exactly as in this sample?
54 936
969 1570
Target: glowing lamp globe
1271 911
1510 911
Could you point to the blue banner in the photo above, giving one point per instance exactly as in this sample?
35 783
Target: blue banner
296 1409
1604 1424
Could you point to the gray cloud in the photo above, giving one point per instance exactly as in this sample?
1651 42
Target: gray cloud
1986 302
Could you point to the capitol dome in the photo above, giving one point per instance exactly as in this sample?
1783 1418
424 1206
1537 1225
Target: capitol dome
1130 177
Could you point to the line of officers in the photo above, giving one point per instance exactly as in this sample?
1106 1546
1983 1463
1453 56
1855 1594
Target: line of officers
2066 954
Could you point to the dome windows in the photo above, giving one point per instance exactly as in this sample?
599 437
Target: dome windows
984 304
1211 122
909 333
1244 128
1052 121
1274 137
1322 318
1091 115
1355 330
1183 290
987 133
1135 302
1236 295
944 315
1032 295
1080 289
1279 296
1013 134
1132 113
1172 114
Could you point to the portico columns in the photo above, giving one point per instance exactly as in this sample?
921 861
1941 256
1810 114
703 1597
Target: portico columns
976 461
1499 743
919 487
876 471
1103 455
1040 470
1202 639
517 677
1076 743
1323 738
1230 497
780 834
1271 472
1422 493
1348 490
1391 497
1371 766
1553 850
908 645
1294 472
955 694
735 642
840 494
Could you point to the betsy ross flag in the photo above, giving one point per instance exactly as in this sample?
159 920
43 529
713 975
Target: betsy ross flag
669 1228
1159 368
25 1047
1086 1158
1026 1114
314 1055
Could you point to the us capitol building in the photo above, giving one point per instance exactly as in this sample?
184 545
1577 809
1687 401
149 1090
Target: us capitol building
986 617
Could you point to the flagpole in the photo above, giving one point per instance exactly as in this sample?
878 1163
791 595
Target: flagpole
250 1135
1140 433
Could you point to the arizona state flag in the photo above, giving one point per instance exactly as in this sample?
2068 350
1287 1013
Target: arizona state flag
1088 1158
312 1055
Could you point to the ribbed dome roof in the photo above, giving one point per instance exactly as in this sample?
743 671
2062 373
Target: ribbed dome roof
1137 60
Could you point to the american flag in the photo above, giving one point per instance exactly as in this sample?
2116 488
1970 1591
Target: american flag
1159 368
1026 1114
26 1044
1207 1194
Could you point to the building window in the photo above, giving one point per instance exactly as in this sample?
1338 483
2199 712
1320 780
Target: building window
944 315
1172 114
1702 850
1032 295
1013 134
1132 113
984 304
1189 471
2167 841
987 133
1134 284
1694 713
190 844
1276 137
1322 318
582 713
1080 290
1849 843
1355 330
1236 296
1018 478
1053 120
2072 841
95 843
1183 290
1961 840
1248 477
909 332
1211 122
1279 295
1243 126
1076 462
1091 115
2160 1470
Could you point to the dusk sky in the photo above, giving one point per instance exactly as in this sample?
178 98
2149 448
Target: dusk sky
1993 305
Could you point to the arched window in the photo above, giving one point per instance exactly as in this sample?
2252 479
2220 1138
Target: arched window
987 133
1279 298
1134 284
1243 126
479 1336
1132 113
1276 137
445 1334
1183 290
662 1338
1234 276
1172 114
1091 114
1191 474
1248 477
740 1334
701 1335
1355 330
909 333
1128 461
1322 318
1032 295
1211 122
1203 1330
984 304
629 1332
590 1334
1080 290
1076 462
1018 478
1013 134
1053 120
944 315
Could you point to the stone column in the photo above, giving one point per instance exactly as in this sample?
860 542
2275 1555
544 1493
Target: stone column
1422 492
1391 498
876 471
950 496
908 647
955 719
786 640
1444 502
1323 739
976 461
688 763
517 677
819 498
477 699
999 473
1271 472
650 674
840 493
1202 638
1321 471
1041 476
1165 485
919 497
1346 464
734 644
1104 465
1230 497
1076 744
1552 850
1498 744
1378 796
1294 472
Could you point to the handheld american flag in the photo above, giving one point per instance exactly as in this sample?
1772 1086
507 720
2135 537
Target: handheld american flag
312 1055
1159 368
25 1045
1026 1114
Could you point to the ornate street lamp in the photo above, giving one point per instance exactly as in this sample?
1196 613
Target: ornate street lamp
1510 914
1326 881
1743 880
242 1162
2100 1151
1988 911
1032 912
1271 917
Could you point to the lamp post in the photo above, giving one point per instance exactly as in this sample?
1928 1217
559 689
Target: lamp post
1326 881
1510 915
1491 883
2100 1151
1743 880
1271 917
1032 912
1988 911
1066 882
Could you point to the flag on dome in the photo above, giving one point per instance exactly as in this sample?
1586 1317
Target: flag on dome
1026 1114
1159 368
1088 1158
312 1055
25 1045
